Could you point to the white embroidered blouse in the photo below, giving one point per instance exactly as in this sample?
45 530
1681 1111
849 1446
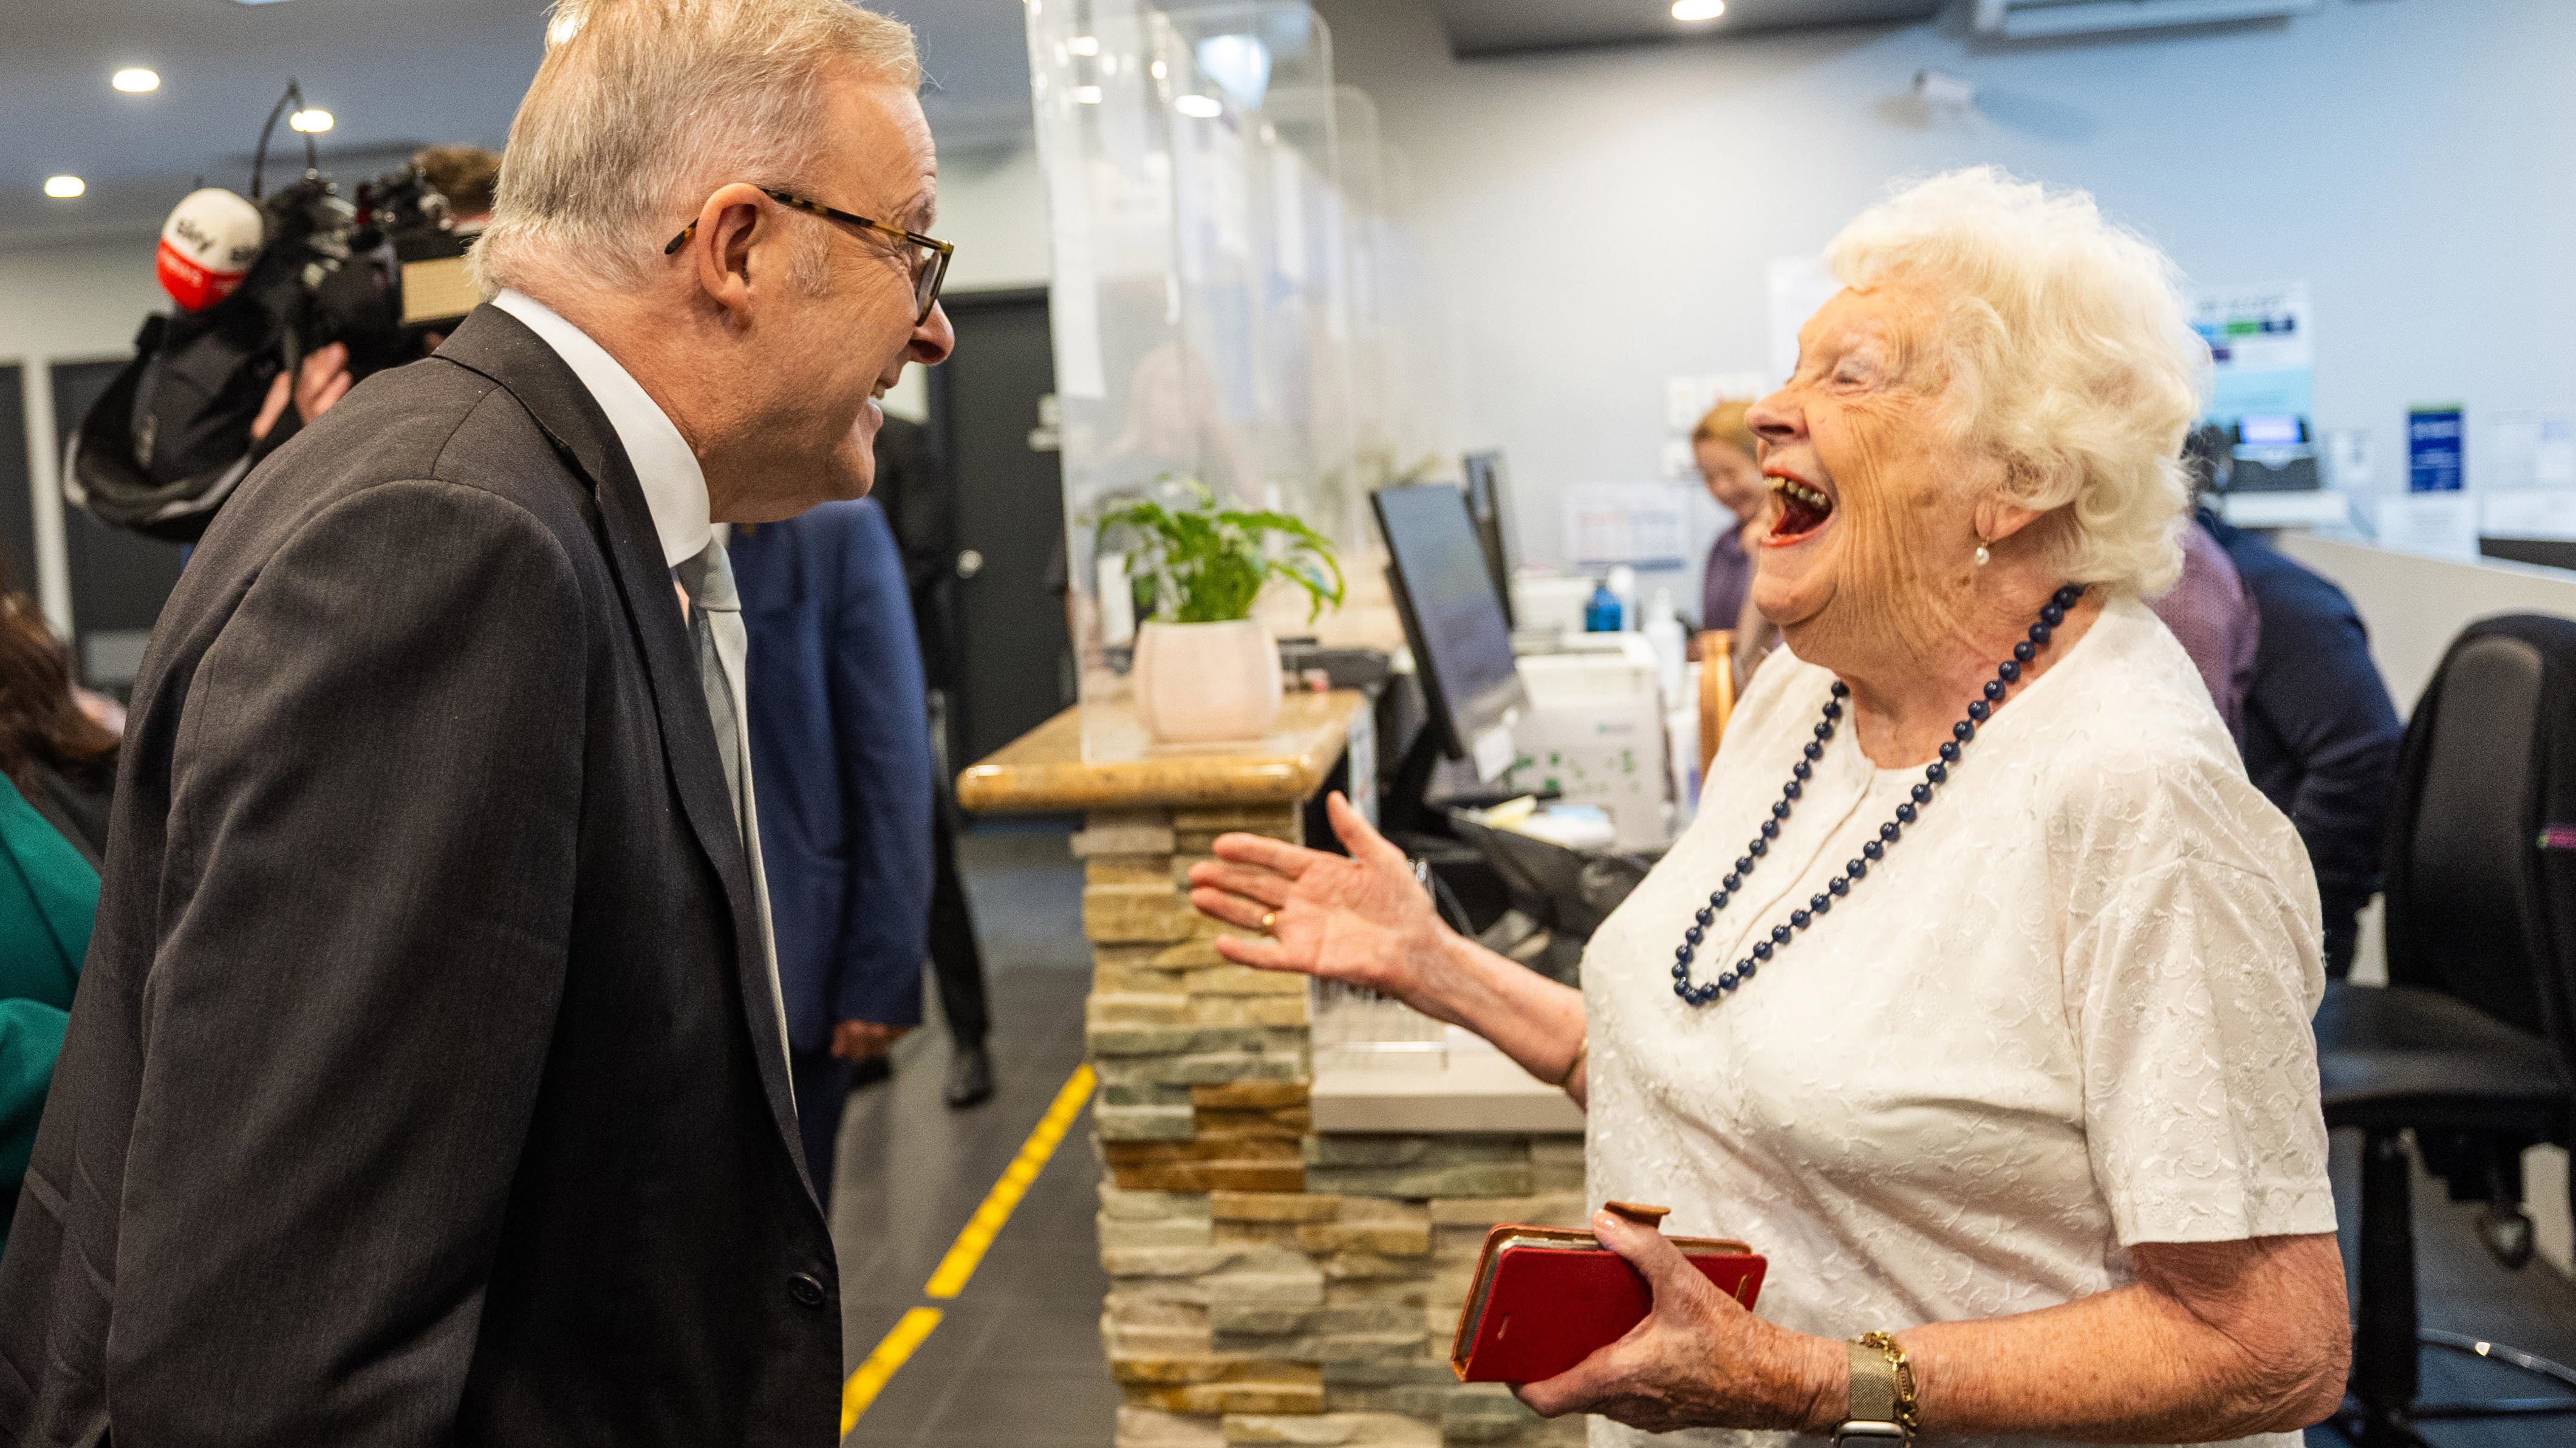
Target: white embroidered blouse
2069 1012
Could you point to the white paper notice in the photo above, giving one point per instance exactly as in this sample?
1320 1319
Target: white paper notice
2348 459
2444 525
2530 513
1645 525
2529 449
1799 285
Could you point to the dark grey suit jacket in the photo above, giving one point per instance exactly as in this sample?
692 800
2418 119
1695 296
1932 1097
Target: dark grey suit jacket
424 1085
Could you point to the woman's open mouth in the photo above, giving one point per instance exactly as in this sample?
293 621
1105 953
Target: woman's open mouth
1802 511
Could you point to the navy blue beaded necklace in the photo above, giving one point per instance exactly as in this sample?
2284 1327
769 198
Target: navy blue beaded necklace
1871 852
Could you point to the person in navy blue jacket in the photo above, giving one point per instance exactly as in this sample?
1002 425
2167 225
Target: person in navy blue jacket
2320 733
840 758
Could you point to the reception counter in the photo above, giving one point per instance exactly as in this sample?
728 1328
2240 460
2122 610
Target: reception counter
1287 1251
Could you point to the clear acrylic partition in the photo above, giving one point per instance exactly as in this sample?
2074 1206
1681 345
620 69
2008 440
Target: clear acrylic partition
1360 1030
1190 167
1395 382
1209 227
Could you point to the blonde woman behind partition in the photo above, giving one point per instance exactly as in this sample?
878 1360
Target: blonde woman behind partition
1977 996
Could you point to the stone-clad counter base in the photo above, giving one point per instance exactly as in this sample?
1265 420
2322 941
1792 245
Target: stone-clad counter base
1269 1285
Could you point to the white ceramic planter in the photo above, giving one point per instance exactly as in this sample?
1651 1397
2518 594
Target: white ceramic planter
1207 683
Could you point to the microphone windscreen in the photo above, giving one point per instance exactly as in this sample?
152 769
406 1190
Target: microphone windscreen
207 247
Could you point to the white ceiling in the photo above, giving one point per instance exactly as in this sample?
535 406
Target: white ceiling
399 74
1502 27
395 74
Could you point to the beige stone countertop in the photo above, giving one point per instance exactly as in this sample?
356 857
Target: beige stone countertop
1479 1091
1046 769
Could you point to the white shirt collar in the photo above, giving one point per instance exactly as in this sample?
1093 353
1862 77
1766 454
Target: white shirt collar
675 487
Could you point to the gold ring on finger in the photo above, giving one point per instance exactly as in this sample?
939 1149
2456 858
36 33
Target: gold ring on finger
1270 920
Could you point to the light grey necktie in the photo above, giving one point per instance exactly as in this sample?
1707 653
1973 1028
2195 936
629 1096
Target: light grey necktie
723 647
715 630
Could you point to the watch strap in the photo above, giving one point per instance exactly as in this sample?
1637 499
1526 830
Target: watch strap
1874 1396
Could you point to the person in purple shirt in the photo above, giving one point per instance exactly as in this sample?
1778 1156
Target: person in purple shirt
1724 449
2212 612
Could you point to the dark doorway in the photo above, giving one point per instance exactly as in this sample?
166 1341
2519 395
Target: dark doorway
119 579
17 489
992 412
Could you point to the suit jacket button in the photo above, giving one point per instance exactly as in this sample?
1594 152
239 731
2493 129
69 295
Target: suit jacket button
808 1290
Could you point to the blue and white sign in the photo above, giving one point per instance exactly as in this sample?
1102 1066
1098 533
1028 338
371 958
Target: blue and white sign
2436 448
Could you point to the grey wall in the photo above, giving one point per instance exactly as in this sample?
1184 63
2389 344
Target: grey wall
1604 219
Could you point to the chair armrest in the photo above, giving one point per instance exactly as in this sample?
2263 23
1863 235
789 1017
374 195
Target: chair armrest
1716 690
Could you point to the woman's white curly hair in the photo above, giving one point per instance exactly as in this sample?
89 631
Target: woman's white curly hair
2071 357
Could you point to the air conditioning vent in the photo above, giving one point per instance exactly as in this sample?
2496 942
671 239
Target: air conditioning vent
2032 19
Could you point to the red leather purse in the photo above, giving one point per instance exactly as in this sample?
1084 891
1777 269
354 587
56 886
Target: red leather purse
1546 1298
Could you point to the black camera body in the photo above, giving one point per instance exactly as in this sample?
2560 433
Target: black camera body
383 274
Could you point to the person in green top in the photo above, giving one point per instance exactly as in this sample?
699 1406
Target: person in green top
48 897
57 768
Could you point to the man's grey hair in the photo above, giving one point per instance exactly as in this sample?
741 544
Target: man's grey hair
643 107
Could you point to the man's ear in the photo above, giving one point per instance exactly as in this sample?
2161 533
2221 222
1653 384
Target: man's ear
735 222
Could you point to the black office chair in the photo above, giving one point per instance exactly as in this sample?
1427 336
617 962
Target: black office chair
1558 896
2469 1047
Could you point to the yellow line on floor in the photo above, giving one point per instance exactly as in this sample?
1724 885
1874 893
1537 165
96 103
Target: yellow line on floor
968 1250
870 1379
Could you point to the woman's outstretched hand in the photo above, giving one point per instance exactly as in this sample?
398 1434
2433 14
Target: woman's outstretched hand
1360 918
1699 1360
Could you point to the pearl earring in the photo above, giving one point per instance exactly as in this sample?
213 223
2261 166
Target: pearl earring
1982 555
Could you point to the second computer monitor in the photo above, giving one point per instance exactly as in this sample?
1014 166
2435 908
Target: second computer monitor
1486 485
1462 649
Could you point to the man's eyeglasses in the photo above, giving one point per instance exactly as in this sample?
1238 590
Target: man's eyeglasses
927 256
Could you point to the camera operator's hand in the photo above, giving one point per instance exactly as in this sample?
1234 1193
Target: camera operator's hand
323 380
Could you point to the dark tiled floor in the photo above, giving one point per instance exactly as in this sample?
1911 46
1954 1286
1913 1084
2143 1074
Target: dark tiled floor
2461 1288
1015 1362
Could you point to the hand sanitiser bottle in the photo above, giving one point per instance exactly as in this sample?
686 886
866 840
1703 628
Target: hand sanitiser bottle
1622 584
1602 614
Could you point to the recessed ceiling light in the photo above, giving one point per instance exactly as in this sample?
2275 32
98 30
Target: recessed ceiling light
312 120
1689 10
1084 45
1088 95
134 80
64 188
1197 107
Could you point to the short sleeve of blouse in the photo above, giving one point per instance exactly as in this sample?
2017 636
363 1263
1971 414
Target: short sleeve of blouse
2192 992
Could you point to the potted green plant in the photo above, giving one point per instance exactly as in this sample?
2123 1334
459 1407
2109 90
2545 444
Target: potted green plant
1206 670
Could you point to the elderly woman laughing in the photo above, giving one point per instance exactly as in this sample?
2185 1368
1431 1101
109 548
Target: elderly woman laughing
1977 996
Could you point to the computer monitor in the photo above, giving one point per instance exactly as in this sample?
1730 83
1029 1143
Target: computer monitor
1486 485
2271 429
1462 649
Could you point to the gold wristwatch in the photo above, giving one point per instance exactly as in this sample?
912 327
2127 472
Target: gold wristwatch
1882 1394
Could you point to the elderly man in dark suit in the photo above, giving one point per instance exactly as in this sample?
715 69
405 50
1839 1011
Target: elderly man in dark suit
840 748
427 1083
